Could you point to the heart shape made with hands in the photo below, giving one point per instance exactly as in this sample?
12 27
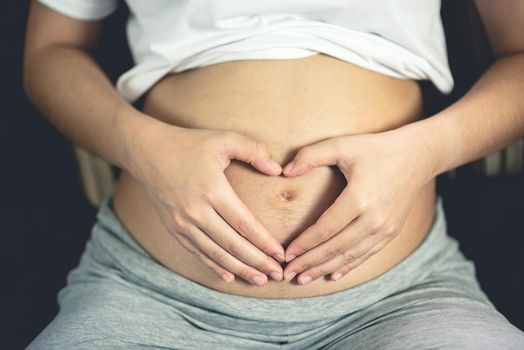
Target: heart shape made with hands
361 220
305 160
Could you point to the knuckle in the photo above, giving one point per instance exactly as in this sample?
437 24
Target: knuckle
217 256
196 254
265 246
265 265
212 194
352 265
306 155
260 148
331 253
236 249
348 257
185 242
376 222
391 228
325 232
243 228
379 247
208 193
180 224
298 248
304 264
245 272
191 249
361 203
190 209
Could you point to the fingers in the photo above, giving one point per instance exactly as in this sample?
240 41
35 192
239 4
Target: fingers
223 258
239 217
349 259
321 153
193 249
342 212
335 276
256 153
238 246
344 248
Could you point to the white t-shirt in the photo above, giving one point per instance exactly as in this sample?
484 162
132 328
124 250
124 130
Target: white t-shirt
399 38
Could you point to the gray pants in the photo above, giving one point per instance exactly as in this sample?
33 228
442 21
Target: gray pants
120 298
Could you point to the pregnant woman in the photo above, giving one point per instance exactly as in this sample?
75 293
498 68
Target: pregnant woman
278 180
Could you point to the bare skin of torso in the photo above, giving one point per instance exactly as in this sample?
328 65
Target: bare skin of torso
286 104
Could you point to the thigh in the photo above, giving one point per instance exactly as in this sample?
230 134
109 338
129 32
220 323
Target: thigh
111 315
119 297
107 315
433 315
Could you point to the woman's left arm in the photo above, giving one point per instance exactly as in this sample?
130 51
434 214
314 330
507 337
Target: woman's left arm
386 170
491 115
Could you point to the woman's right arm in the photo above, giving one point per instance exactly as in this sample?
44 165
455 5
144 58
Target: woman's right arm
65 83
182 169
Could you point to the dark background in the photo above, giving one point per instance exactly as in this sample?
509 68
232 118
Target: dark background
45 219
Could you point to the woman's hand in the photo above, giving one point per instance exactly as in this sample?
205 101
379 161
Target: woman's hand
384 171
183 173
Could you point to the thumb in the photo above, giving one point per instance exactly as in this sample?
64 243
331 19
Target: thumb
317 154
253 152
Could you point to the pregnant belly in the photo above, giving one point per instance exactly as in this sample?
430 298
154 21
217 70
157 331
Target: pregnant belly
286 104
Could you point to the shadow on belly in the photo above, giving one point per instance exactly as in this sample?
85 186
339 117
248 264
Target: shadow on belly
286 206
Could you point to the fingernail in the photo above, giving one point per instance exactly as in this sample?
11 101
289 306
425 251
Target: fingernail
275 275
336 276
289 167
290 257
279 257
306 279
259 280
275 165
290 276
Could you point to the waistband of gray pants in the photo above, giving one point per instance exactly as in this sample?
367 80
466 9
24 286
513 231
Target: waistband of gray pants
110 235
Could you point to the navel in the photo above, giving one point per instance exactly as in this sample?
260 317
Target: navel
288 195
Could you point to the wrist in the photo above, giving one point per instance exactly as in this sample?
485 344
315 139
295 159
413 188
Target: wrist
136 132
432 139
